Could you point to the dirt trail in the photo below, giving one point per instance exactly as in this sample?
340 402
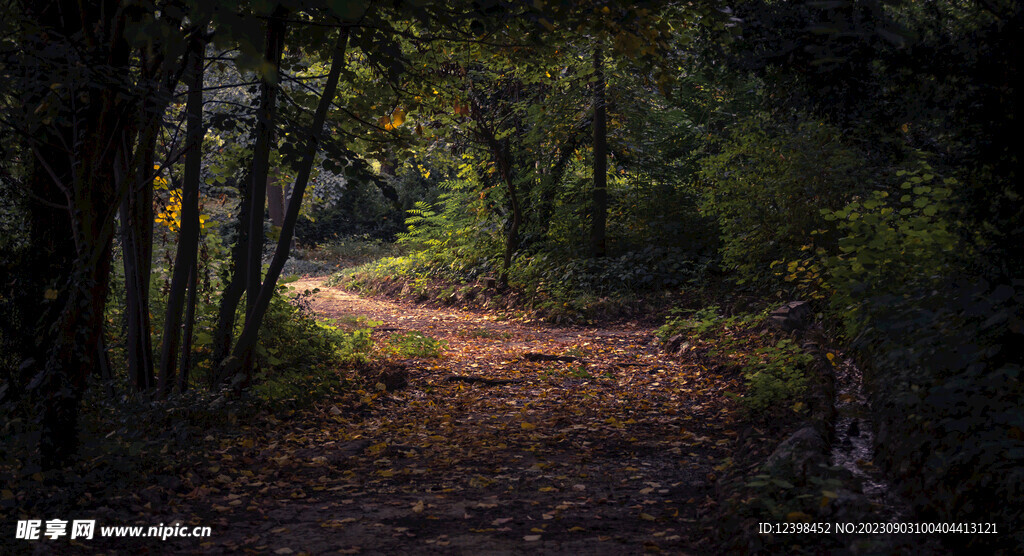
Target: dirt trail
610 451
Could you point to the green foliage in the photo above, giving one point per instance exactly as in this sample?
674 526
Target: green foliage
416 344
776 375
704 322
342 252
458 234
13 220
891 247
774 495
944 381
651 268
293 338
300 355
767 186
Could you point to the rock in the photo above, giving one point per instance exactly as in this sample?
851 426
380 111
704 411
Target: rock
673 343
795 315
799 454
849 506
489 282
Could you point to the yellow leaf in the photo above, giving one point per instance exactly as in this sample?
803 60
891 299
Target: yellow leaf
418 507
527 426
647 517
50 294
398 116
547 489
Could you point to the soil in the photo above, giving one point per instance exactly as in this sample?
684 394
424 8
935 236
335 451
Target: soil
492 448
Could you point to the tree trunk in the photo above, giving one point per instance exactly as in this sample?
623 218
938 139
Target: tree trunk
599 215
247 340
186 341
275 202
137 253
512 240
235 288
274 48
188 233
550 181
89 137
261 156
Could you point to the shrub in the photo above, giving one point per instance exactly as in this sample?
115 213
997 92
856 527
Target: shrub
774 373
939 347
300 355
417 344
767 185
891 248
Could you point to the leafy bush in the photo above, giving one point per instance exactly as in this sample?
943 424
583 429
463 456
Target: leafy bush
775 375
649 269
300 355
939 349
767 186
417 344
887 248
696 323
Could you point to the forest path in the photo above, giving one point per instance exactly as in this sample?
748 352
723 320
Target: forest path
610 451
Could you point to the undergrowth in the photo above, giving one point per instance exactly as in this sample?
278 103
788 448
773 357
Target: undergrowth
416 344
774 368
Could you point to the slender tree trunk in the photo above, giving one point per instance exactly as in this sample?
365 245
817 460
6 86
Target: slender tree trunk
188 233
261 156
186 341
265 116
235 288
137 247
549 187
600 200
512 240
275 201
159 77
250 332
